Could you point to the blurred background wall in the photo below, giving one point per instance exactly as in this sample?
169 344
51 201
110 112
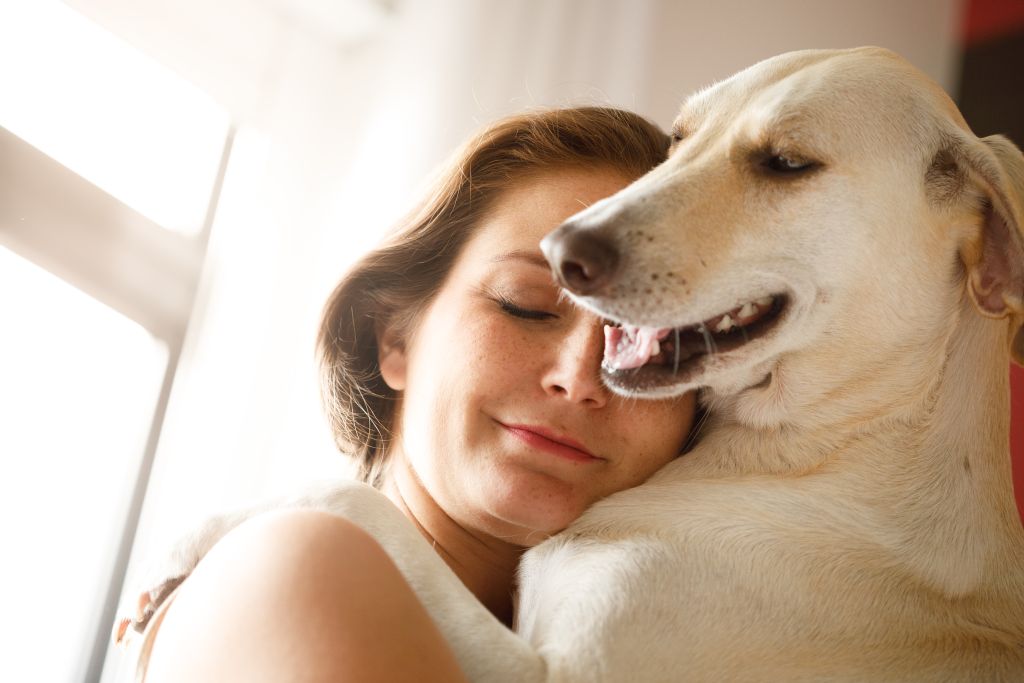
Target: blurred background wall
299 130
991 96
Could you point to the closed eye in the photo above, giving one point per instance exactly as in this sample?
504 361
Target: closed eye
788 164
524 313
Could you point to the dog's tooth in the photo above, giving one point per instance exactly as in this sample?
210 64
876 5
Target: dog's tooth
764 301
747 310
725 324
655 348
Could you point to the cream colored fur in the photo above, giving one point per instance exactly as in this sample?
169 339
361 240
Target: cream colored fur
848 514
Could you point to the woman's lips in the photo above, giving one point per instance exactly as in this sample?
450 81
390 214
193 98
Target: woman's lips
546 440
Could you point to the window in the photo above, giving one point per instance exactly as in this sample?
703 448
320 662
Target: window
80 383
110 170
109 113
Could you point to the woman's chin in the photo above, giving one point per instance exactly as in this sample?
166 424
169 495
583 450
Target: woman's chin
524 506
528 522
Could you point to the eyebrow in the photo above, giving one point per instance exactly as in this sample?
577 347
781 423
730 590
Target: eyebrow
531 257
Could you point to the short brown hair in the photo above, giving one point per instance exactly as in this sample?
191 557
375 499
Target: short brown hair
393 283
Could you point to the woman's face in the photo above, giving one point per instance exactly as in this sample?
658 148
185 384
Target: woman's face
503 416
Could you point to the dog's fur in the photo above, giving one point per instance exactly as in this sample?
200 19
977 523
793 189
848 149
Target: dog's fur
848 514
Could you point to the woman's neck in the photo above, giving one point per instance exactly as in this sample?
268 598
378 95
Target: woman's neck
486 565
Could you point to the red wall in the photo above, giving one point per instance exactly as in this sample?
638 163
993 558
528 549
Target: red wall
990 19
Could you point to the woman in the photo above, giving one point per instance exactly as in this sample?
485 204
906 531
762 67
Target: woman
469 390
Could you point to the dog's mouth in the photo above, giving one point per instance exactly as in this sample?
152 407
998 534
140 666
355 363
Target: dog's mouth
639 359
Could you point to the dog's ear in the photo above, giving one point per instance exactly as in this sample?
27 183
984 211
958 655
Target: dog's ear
990 173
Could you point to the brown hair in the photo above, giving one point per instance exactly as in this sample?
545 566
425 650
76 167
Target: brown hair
394 282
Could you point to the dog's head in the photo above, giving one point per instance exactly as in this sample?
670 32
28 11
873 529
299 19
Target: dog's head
821 213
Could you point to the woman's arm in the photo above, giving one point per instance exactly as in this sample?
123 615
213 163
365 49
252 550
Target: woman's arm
300 596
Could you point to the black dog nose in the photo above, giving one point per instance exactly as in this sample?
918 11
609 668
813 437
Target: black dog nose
582 260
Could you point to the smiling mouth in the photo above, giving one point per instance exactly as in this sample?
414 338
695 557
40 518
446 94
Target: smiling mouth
542 439
639 359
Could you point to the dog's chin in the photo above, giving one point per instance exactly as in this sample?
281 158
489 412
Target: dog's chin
639 384
692 357
735 378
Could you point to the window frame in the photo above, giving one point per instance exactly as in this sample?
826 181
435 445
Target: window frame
64 224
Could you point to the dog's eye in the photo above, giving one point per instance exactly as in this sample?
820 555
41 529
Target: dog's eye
781 163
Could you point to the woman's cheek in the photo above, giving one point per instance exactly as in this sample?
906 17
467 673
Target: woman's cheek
502 349
673 421
655 435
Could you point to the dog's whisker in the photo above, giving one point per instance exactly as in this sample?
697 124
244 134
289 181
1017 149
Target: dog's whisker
675 362
709 342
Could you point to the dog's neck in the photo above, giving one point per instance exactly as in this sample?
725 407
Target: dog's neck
935 467
959 524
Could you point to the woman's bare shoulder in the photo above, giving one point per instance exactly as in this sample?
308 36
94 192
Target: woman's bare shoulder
272 598
239 604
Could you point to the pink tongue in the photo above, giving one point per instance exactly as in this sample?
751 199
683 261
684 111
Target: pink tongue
630 347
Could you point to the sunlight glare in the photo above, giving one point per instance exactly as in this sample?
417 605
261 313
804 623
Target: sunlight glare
78 386
109 113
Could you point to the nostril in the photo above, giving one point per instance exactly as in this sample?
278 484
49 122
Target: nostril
585 262
574 274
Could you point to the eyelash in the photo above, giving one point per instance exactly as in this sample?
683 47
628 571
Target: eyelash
524 313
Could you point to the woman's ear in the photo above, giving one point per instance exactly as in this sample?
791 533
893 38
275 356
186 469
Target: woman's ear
391 357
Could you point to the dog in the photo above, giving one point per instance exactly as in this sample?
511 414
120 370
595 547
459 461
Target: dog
837 263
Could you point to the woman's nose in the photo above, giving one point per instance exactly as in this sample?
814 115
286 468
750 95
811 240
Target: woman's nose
575 372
